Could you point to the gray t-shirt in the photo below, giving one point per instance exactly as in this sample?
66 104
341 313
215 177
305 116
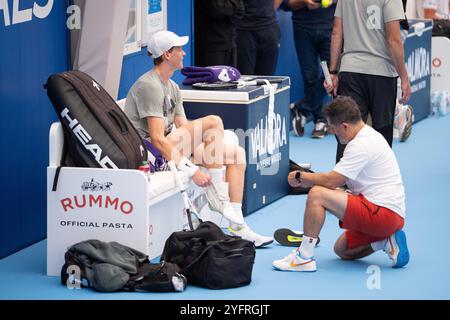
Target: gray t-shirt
365 46
150 97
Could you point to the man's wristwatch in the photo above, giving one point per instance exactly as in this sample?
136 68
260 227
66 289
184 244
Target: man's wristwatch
334 71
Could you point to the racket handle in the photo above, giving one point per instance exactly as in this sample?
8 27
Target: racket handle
326 72
174 170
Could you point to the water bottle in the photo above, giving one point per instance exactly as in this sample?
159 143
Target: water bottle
435 99
444 104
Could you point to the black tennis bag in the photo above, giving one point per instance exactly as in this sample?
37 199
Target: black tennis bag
209 258
97 133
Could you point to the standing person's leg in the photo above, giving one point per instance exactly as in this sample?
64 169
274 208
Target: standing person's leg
232 61
383 100
246 52
268 43
216 58
353 85
307 59
323 48
319 201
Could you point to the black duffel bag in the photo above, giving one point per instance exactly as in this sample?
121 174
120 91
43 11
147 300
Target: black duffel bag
209 258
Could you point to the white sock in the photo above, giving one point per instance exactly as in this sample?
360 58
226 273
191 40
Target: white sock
217 175
379 245
306 249
237 207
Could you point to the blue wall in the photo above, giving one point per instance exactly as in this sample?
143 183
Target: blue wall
30 52
179 20
287 59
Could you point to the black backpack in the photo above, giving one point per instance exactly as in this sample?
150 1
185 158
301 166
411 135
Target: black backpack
97 133
111 266
209 258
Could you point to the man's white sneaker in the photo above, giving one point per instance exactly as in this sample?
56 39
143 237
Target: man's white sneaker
294 262
403 121
248 234
219 201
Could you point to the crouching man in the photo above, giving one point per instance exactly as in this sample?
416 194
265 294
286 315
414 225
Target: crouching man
372 210
155 107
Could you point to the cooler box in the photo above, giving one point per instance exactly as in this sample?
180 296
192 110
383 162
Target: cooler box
245 111
418 63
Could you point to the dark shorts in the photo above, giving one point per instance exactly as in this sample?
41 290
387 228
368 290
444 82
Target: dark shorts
366 222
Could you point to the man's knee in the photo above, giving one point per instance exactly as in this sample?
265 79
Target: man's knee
315 195
240 156
213 122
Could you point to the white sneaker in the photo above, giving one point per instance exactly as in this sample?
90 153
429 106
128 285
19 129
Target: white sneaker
294 262
298 120
219 201
403 121
248 234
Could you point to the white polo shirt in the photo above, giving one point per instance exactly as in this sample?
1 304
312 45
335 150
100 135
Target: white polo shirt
371 169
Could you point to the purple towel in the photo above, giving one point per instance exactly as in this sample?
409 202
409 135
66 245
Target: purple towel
156 160
210 74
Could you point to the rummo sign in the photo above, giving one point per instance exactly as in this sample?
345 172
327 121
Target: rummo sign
92 203
20 14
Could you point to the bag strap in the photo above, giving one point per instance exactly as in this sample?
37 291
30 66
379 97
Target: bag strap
198 258
62 164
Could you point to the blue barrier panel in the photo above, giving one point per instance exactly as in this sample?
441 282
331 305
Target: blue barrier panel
34 45
245 111
418 63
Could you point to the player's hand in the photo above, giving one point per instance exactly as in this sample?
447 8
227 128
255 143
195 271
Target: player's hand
201 179
292 179
406 91
312 5
333 88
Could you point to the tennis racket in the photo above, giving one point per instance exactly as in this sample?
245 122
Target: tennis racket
188 206
219 85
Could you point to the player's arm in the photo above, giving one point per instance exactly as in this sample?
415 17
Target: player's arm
156 131
168 150
180 121
330 180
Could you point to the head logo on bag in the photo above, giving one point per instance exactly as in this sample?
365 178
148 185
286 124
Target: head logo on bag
85 138
95 84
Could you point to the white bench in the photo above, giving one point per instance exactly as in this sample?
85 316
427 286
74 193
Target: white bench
112 205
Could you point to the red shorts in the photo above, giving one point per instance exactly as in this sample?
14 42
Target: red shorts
366 222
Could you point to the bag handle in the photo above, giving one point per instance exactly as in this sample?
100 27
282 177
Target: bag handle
118 120
198 258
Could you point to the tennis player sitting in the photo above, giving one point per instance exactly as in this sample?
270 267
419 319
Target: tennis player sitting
373 210
155 107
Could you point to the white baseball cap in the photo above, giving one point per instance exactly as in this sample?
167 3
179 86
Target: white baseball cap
162 41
